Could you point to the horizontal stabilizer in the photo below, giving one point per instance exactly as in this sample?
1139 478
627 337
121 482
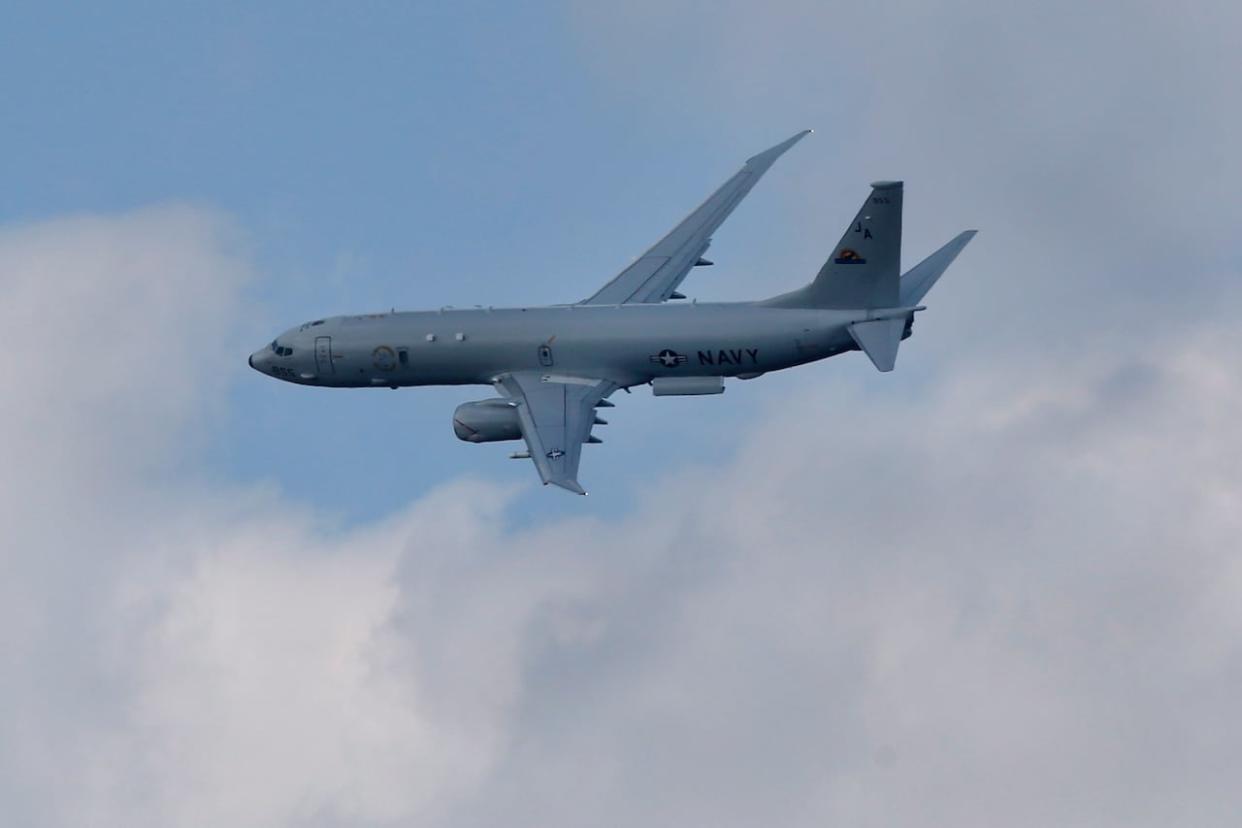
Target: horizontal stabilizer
879 339
920 278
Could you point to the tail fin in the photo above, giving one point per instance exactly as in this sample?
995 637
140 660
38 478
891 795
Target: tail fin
920 278
865 266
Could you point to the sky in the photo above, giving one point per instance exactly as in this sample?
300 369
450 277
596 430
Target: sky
1001 584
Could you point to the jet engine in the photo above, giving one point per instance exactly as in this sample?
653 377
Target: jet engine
487 421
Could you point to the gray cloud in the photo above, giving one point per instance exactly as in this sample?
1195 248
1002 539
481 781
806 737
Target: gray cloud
1092 144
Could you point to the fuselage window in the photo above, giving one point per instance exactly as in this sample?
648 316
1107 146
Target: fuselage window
545 355
403 356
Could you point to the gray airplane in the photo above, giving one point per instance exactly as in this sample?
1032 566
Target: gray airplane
554 366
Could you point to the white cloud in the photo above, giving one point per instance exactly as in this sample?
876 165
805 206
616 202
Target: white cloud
1007 592
1012 593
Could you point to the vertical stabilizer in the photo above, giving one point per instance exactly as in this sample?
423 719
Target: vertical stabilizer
864 270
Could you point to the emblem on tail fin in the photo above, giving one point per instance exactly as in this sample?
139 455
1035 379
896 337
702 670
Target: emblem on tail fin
848 256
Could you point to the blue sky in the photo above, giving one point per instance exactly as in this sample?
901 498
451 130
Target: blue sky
410 156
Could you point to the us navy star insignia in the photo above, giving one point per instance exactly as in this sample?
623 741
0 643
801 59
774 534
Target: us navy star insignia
669 358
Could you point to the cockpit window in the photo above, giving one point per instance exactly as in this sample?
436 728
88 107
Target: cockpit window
280 350
317 322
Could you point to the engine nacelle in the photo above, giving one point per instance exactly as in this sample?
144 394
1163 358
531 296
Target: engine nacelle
487 421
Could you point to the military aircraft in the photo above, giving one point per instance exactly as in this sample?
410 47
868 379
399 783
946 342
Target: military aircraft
555 366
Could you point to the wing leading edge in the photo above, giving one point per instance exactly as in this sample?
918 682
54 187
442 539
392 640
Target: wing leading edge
658 272
556 414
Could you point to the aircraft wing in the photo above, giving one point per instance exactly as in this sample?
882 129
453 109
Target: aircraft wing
556 413
658 272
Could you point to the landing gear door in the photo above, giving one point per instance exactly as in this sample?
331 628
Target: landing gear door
323 355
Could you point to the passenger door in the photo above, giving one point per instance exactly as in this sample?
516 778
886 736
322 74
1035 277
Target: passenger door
323 355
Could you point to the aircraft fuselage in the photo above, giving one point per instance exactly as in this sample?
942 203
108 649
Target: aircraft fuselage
631 343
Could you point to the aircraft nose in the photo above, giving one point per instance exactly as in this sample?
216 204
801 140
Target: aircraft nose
258 360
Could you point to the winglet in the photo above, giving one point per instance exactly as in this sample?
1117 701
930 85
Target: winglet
766 158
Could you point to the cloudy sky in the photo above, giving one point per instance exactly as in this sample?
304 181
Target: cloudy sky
1002 585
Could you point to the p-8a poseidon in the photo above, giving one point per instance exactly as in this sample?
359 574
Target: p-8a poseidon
554 367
